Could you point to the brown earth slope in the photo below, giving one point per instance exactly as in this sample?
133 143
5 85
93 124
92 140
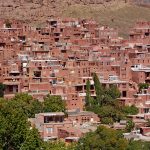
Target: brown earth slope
116 13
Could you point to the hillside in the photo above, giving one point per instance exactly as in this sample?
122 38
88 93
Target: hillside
116 13
120 15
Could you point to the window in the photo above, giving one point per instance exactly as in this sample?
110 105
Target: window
49 130
124 93
146 110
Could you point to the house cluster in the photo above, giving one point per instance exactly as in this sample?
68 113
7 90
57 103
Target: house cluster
56 125
60 57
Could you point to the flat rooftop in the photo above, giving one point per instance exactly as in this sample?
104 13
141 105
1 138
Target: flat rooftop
52 114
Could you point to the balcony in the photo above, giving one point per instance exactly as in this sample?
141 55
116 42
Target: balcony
56 117
83 94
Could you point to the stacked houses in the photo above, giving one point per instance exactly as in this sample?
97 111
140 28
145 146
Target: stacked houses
59 58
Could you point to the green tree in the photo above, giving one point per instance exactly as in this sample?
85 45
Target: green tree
107 120
54 145
109 113
32 141
88 95
13 127
107 106
130 110
98 89
130 126
15 130
143 86
36 107
106 99
113 92
138 145
29 105
103 138
54 104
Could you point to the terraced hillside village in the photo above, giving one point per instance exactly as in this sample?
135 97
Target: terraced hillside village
74 75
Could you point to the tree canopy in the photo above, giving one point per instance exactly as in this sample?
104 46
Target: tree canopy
88 94
106 103
98 89
130 110
14 127
130 126
103 138
54 104
143 86
16 132
108 139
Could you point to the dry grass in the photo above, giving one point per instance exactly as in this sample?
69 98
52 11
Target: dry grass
120 15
